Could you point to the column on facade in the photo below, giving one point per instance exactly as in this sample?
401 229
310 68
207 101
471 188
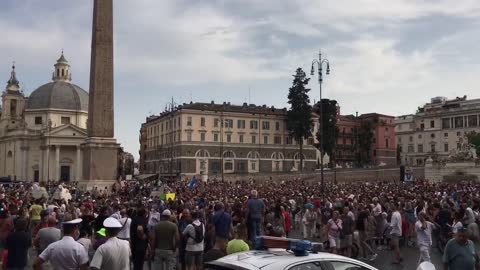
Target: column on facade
46 165
24 163
78 173
57 162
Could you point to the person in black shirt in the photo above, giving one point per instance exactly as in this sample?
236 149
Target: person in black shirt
362 227
17 244
138 244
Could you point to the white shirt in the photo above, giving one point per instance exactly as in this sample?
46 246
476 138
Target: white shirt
65 254
125 232
113 254
86 243
396 223
189 232
424 236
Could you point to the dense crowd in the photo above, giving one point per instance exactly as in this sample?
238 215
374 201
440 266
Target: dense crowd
130 224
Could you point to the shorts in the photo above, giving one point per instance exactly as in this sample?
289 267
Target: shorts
347 241
193 258
334 242
394 238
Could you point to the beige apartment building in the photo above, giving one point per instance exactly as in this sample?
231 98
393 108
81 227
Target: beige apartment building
216 139
437 129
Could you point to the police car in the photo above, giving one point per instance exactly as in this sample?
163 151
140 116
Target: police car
273 253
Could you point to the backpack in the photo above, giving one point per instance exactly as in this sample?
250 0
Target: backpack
199 233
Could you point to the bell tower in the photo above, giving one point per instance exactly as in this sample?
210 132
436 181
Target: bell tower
62 70
13 102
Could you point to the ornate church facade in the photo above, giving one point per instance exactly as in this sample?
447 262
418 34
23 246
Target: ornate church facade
41 135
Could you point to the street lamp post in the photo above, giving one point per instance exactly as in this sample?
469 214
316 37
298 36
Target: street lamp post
320 62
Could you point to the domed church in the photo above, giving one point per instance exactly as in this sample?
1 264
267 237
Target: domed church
41 135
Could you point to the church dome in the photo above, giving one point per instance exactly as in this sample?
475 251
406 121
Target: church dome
61 93
58 95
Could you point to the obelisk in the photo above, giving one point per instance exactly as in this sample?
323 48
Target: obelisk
100 149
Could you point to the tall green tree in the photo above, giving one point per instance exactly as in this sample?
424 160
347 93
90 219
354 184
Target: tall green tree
474 140
299 117
328 127
365 136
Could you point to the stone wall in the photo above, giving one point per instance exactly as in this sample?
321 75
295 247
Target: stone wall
342 176
452 170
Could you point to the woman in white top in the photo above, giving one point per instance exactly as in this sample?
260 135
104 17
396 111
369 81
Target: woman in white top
334 226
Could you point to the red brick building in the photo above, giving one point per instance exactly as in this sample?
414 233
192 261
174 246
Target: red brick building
383 149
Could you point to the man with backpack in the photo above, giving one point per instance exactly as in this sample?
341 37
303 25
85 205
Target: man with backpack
195 234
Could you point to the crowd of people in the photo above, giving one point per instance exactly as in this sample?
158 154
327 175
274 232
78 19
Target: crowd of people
130 224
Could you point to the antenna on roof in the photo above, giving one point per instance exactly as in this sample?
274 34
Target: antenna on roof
248 94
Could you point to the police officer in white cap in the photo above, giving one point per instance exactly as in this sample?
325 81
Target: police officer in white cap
115 253
65 254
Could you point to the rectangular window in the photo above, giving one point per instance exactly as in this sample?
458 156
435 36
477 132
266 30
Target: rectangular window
420 148
202 136
472 121
432 148
277 140
445 123
202 121
445 147
215 122
189 136
265 125
229 138
432 135
228 123
161 127
459 122
386 143
189 121
65 120
240 138
459 146
174 124
253 124
215 137
410 148
445 134
410 139
277 126
241 124
265 139
38 120
254 139
422 126
288 140
459 133
161 139
432 124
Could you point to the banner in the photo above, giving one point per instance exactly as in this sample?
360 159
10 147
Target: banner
170 196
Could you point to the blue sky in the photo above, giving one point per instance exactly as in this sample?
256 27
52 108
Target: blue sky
386 56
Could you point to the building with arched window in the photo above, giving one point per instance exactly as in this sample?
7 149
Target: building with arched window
218 139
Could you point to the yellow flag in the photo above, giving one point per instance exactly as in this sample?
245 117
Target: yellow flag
170 196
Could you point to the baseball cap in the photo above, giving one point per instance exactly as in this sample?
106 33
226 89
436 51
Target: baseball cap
112 223
166 213
73 222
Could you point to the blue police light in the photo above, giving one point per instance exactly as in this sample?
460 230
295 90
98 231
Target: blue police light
297 246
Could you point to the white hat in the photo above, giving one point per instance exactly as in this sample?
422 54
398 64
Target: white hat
166 213
111 223
73 222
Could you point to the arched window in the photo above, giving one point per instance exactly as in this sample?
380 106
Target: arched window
277 161
9 154
253 162
202 153
228 154
228 161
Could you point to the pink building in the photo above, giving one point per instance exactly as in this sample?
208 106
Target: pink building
383 149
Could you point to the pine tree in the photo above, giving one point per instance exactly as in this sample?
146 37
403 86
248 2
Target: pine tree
299 118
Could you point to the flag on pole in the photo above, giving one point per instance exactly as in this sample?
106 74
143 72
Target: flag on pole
193 182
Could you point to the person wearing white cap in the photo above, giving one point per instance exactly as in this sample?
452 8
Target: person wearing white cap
65 254
115 253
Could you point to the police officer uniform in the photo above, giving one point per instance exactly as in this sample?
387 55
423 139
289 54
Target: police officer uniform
66 254
114 253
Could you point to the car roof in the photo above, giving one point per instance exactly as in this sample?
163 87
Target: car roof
256 259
